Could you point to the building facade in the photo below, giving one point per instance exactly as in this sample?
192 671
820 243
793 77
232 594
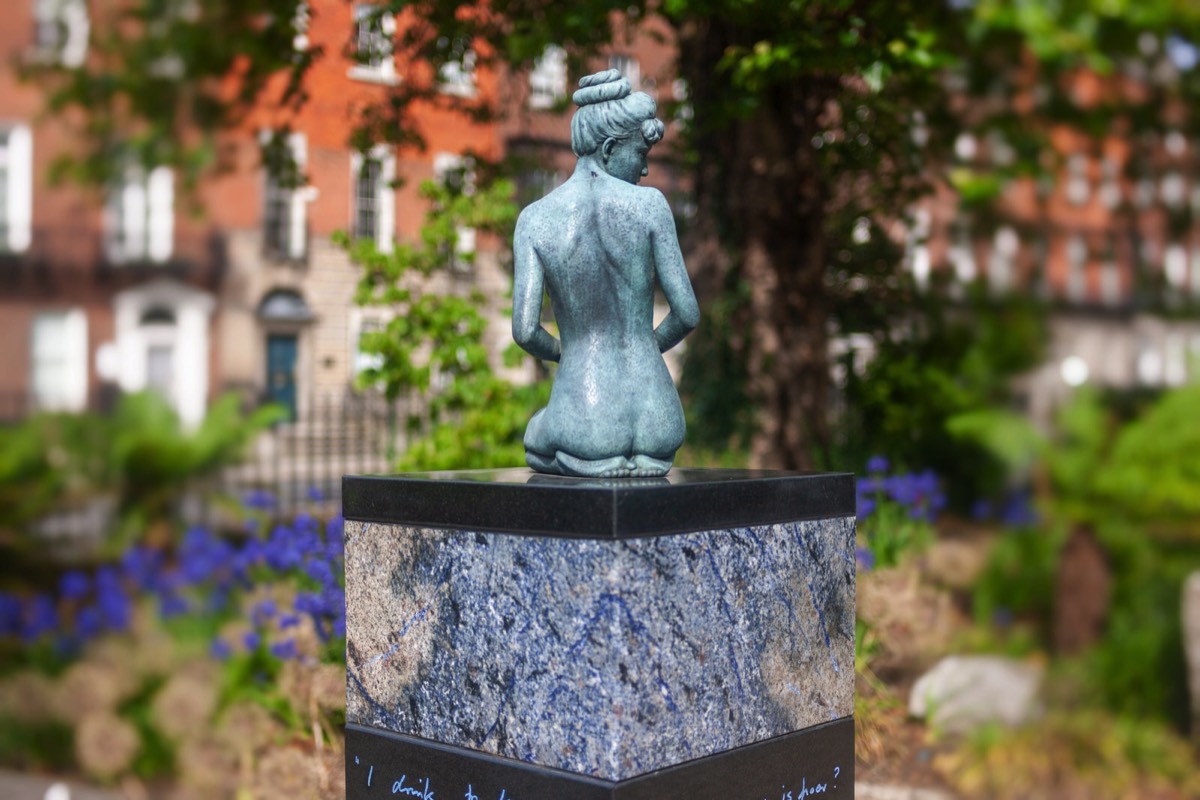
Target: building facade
118 290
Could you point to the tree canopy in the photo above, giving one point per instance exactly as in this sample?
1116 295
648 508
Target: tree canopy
814 128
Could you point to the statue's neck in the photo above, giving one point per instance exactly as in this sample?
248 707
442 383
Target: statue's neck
590 163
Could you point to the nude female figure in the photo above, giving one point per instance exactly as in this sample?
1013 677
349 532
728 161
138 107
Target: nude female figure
598 243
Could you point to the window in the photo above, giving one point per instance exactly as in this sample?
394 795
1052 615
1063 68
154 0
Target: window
1110 187
300 24
285 204
373 46
59 360
139 217
962 253
548 79
1077 255
1005 245
1078 188
61 30
534 184
1174 190
628 67
456 173
1194 281
457 74
363 360
1110 273
16 189
374 209
1175 266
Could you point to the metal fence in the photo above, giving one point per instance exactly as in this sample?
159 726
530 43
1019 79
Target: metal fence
294 467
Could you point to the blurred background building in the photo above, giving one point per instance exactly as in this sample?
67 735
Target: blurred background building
130 288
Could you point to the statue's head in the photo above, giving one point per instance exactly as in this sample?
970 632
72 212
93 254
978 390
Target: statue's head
614 124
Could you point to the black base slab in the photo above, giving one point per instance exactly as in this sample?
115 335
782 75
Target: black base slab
817 762
524 502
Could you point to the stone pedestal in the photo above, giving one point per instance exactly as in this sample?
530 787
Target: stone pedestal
514 636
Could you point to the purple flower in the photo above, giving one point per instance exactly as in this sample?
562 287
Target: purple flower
251 641
263 611
288 621
171 605
259 499
865 506
74 585
309 603
284 650
10 615
333 528
142 566
220 649
315 494
115 608
319 571
40 617
877 465
88 622
864 558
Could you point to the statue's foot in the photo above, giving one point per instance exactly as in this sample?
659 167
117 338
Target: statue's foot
640 466
648 467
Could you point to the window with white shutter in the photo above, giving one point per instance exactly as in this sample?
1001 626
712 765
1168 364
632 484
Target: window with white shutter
16 188
374 49
60 30
456 172
374 211
285 204
139 217
58 358
548 78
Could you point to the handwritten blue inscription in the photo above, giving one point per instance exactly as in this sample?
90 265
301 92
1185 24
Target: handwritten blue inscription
421 789
805 791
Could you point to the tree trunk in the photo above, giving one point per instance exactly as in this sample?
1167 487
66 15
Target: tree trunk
760 190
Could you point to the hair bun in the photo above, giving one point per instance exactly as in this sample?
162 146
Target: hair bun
601 87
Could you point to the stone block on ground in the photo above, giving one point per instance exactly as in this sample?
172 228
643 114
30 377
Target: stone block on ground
962 693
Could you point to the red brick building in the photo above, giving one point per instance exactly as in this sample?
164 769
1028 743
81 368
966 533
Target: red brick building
122 290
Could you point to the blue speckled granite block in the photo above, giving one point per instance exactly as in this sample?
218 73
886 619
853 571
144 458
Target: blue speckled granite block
607 657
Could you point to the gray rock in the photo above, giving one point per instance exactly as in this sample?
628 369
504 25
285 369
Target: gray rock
965 692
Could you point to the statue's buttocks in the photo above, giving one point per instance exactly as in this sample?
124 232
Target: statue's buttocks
598 244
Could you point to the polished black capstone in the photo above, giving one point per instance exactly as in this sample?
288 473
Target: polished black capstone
525 502
814 762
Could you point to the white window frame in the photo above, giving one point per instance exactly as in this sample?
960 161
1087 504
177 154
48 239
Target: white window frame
462 264
301 21
457 76
58 379
385 197
139 217
16 184
1002 265
1077 263
629 67
61 30
374 45
295 201
548 78
1078 185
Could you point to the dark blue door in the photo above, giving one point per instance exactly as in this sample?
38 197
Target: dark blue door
281 371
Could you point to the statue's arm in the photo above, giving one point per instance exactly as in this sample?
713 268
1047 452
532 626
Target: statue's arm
528 282
672 277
